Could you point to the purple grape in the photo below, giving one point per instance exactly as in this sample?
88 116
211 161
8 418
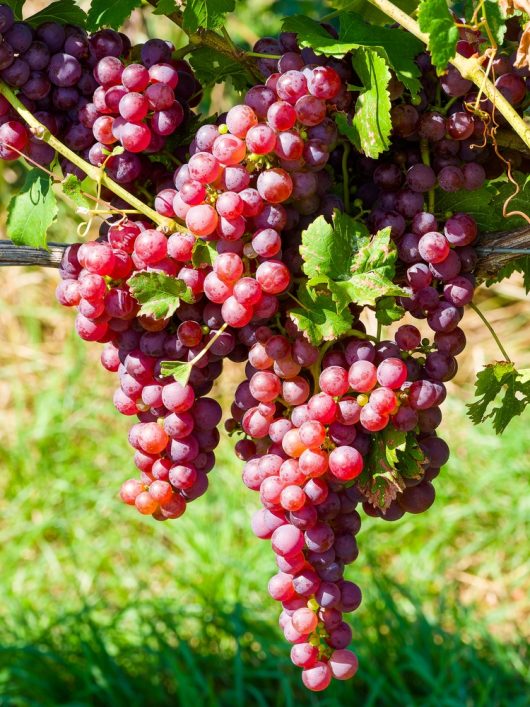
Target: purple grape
19 36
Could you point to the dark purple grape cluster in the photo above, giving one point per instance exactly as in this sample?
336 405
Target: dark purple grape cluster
51 69
446 148
86 92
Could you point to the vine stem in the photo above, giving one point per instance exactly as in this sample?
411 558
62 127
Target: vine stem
470 69
259 55
495 250
95 173
491 331
487 250
208 346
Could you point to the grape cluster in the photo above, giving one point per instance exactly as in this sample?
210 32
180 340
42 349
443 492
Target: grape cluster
307 441
446 148
137 106
232 191
176 435
80 89
51 68
310 421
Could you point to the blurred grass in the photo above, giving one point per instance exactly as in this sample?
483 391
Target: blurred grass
99 606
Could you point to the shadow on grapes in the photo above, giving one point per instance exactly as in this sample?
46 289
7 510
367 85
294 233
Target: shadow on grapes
158 654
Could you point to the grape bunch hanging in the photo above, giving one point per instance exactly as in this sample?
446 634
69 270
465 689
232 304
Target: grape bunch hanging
273 211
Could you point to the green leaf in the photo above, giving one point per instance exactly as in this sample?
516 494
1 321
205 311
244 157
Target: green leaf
477 203
73 188
342 260
486 204
502 384
328 248
513 198
62 11
318 317
387 311
166 7
204 253
103 13
380 481
393 456
212 67
398 47
435 19
492 14
373 268
32 211
179 370
371 126
205 13
159 294
521 265
410 458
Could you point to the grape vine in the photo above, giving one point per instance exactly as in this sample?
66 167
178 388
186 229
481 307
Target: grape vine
358 188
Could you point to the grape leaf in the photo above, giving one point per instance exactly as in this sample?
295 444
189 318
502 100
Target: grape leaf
393 456
159 294
212 67
371 126
398 47
491 12
179 370
500 383
62 11
521 265
166 7
477 203
435 19
317 316
73 188
342 260
410 458
387 311
380 481
205 13
486 204
204 252
372 270
103 13
32 210
328 248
